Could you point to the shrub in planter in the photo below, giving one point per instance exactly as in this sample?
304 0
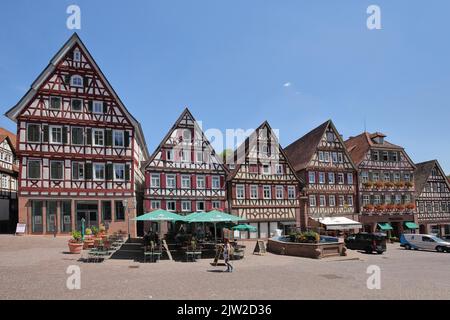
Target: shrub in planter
75 244
95 231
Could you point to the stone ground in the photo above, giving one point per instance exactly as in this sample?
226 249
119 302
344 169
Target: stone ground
34 267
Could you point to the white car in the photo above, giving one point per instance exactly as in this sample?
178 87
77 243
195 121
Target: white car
424 241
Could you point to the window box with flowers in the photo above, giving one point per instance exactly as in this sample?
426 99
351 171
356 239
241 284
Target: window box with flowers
380 207
368 184
368 207
379 184
410 206
399 184
400 207
388 185
390 207
409 184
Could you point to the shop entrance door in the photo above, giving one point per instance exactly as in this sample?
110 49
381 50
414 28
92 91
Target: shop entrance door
88 212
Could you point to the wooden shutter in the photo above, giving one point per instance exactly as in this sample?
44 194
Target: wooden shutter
105 108
127 172
75 170
90 105
109 171
85 81
89 136
108 137
45 133
127 138
88 170
67 79
65 134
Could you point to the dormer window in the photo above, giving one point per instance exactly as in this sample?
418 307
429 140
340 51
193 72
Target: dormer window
330 136
76 55
76 81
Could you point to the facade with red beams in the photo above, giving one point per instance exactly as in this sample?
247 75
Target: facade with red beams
80 149
185 174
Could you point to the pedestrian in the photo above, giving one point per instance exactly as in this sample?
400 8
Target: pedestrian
226 255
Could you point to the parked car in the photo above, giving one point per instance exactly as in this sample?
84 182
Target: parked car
424 242
367 242
446 237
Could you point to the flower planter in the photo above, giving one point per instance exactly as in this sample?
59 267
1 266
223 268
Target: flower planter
88 243
75 247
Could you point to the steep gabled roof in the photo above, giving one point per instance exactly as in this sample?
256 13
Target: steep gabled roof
48 71
241 152
423 172
6 134
359 146
174 127
301 151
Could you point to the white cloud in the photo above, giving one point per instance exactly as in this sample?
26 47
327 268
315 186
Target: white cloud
287 84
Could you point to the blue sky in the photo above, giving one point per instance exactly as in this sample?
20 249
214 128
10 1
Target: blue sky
229 60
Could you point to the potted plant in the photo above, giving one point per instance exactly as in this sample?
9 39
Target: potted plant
102 232
380 207
410 206
390 207
75 244
88 241
409 184
399 184
368 207
379 184
400 207
388 185
368 184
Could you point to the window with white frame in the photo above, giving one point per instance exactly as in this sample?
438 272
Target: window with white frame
186 135
387 199
321 156
331 178
201 182
334 157
169 155
291 192
200 206
266 169
312 177
155 204
349 178
199 156
119 171
326 156
396 177
76 81
376 199
98 137
77 170
253 192
77 135
240 191
155 180
119 138
330 136
341 201
321 177
312 201
366 199
171 181
185 155
350 201
34 169
375 176
322 201
216 204
332 200
97 107
215 182
186 206
386 176
364 176
340 178
185 182
76 55
99 171
55 103
55 134
340 157
398 199
407 177
171 205
279 190
279 168
56 170
76 105
267 192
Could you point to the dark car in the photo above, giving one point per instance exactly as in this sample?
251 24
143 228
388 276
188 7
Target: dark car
367 242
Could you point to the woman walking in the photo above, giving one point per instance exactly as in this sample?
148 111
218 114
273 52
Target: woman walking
226 255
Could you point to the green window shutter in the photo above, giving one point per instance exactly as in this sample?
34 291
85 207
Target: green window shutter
370 176
109 171
65 134
105 108
108 137
85 81
88 170
89 136
45 131
90 104
127 172
67 79
75 170
127 138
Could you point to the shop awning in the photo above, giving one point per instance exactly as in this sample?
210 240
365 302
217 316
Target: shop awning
411 225
338 223
385 226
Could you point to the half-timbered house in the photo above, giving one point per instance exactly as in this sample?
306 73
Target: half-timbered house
386 183
185 174
8 186
262 185
432 198
329 177
79 147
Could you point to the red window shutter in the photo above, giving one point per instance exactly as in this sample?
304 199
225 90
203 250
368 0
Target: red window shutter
178 182
163 205
208 205
163 180
208 182
222 182
147 205
178 205
193 181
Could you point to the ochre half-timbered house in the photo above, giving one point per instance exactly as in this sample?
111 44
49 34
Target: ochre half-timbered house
8 181
262 185
386 183
432 198
80 149
329 177
185 174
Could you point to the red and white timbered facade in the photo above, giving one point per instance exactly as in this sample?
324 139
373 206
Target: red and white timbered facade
262 186
185 174
80 149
